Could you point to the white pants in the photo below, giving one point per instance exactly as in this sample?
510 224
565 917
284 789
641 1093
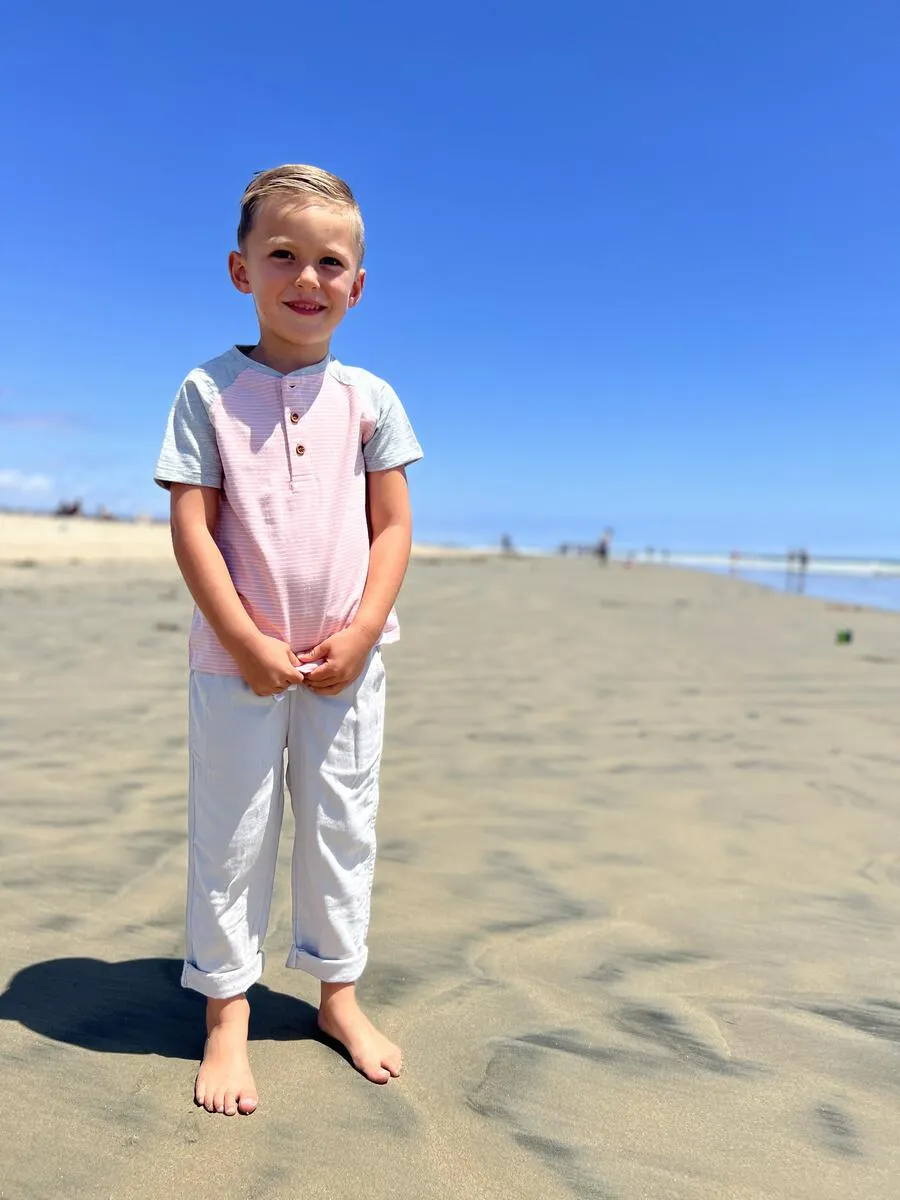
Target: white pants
237 743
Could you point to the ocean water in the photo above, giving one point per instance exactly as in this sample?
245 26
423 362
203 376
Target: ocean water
871 591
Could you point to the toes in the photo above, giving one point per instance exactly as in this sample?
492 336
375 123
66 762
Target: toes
229 1102
393 1060
376 1072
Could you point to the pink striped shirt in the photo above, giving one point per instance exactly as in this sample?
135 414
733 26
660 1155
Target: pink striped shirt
290 454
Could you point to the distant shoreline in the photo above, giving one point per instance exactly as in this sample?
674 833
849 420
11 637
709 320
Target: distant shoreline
54 537
46 537
824 565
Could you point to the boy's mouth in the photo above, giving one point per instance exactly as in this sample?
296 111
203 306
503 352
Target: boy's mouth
305 308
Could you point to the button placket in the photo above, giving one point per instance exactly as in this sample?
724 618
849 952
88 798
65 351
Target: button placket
293 415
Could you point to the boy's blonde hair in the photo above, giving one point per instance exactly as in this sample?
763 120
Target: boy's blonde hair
307 181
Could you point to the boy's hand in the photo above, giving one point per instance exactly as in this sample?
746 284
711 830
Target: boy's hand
268 665
345 655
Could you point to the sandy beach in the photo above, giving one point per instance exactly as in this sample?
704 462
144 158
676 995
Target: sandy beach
27 539
637 911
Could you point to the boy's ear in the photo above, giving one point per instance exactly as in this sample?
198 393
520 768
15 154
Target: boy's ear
238 272
357 290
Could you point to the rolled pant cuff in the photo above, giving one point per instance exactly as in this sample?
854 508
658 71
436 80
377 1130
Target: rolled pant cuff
328 970
222 985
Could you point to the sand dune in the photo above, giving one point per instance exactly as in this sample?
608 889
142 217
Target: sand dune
636 914
27 538
37 538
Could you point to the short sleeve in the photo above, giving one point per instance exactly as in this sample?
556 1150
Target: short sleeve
189 452
393 443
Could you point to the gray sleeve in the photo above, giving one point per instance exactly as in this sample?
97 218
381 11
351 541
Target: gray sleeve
189 452
393 444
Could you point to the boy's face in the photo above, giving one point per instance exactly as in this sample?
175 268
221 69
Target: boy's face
299 262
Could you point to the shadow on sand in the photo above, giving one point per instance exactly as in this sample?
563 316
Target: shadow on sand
137 1007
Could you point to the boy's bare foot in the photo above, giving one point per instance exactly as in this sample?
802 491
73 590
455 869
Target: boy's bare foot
342 1019
224 1082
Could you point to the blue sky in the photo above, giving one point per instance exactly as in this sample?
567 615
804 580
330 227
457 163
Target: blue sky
629 264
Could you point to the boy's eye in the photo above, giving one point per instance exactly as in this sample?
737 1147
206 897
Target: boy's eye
281 254
330 261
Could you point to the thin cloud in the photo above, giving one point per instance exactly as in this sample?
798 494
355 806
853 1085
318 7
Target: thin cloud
12 480
40 421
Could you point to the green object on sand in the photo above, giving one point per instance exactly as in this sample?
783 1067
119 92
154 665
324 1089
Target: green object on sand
844 637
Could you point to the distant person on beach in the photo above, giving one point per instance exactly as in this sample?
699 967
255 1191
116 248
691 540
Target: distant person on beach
797 565
802 568
274 455
603 547
789 569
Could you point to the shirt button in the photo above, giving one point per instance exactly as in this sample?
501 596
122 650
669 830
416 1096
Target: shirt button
300 449
295 417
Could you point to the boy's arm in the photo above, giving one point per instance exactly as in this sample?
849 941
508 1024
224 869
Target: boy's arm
390 521
265 663
194 512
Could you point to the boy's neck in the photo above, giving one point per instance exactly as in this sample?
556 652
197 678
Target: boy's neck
283 357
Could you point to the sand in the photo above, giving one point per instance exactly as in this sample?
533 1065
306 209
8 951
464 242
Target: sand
636 912
30 538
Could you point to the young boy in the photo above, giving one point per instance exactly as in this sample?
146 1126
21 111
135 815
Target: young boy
291 525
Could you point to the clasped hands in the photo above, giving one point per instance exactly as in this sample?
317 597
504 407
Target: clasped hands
269 666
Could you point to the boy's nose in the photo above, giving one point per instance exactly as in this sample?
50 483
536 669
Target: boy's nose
308 277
